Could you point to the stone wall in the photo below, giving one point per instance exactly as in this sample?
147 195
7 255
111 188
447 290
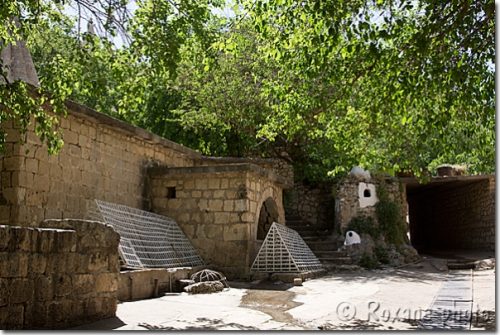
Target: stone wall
350 202
57 277
278 166
151 283
454 214
218 208
314 204
102 158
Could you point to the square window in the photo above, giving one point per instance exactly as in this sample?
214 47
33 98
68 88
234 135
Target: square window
171 192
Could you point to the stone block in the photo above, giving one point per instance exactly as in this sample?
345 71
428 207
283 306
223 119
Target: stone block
4 238
46 240
236 232
14 195
91 307
221 218
44 288
38 263
228 205
114 262
84 283
65 241
208 194
203 205
97 262
5 288
108 305
12 317
213 183
22 290
183 218
213 232
219 194
43 168
70 137
215 205
12 163
62 285
106 282
201 184
189 184
13 264
81 263
6 179
31 165
240 205
58 311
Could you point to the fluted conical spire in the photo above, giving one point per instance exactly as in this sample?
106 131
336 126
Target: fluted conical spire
17 64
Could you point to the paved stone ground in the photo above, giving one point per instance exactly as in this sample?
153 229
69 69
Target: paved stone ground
366 300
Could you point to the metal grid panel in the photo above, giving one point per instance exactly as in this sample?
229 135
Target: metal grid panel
147 239
284 250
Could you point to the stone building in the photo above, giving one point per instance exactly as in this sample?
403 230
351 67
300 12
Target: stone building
447 213
224 206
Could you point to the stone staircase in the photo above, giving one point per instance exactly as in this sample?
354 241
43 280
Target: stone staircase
323 243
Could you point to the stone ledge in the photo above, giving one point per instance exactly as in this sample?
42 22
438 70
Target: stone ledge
241 167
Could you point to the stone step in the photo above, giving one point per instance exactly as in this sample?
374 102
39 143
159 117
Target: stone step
311 235
342 267
330 253
297 222
461 265
322 244
326 245
317 239
300 229
335 260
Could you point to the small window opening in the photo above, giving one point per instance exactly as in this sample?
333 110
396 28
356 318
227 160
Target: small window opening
367 193
171 193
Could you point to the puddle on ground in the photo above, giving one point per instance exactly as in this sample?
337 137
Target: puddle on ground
274 303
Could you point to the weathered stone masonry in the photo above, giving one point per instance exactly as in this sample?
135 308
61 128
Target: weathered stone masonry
62 275
454 212
218 208
102 158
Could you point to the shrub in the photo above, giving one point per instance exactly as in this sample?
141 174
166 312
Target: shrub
368 262
381 254
390 221
363 224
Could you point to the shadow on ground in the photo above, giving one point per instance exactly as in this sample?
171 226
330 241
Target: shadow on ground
202 324
105 324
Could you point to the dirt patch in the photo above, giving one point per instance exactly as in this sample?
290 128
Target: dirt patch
274 303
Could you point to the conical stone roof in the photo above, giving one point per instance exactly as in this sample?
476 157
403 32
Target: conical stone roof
17 64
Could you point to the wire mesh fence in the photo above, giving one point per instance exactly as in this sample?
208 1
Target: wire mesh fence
147 240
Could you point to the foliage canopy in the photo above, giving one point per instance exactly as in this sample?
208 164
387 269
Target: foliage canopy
391 86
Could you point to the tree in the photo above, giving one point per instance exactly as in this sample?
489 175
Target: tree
155 34
392 85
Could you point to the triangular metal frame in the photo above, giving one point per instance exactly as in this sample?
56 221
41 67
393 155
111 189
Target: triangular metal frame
282 240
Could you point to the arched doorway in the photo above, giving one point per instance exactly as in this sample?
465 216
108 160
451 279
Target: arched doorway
268 214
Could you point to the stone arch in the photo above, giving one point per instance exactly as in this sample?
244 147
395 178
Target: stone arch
269 209
267 215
